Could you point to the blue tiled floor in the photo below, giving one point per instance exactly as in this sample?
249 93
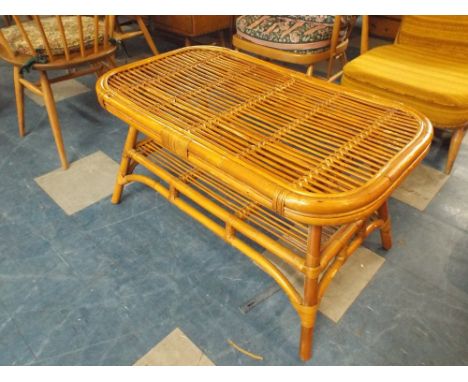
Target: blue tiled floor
104 285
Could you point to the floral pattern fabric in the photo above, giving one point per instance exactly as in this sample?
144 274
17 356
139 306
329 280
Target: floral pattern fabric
302 34
51 28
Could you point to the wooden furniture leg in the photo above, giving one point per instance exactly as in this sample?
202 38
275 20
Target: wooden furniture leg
221 37
455 142
364 34
105 65
344 59
331 64
308 311
386 229
188 42
19 93
310 70
124 164
53 118
146 34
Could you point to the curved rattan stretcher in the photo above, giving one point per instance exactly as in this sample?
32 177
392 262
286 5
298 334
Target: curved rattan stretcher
259 153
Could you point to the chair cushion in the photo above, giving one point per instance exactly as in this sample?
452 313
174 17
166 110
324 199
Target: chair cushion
435 85
302 34
445 34
70 24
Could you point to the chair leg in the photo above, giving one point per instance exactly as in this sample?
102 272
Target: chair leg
19 93
222 39
188 41
455 142
53 118
344 59
310 70
105 65
146 34
331 64
111 62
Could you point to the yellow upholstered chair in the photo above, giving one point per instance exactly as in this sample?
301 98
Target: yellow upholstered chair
426 67
302 40
79 45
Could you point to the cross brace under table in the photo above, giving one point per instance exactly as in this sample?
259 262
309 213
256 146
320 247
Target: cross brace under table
317 252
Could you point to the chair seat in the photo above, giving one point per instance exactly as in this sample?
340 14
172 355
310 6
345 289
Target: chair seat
70 24
301 34
435 85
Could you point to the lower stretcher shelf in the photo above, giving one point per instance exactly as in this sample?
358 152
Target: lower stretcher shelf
253 228
259 217
245 223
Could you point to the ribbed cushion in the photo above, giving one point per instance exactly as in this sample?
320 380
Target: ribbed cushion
443 34
303 34
436 85
51 28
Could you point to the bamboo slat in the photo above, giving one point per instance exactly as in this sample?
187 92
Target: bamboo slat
263 156
328 152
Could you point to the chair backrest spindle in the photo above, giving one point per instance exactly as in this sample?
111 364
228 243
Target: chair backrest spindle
365 34
80 32
106 31
4 42
335 35
66 50
45 40
96 34
19 25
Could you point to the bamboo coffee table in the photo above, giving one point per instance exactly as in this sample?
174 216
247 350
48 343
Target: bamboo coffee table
261 154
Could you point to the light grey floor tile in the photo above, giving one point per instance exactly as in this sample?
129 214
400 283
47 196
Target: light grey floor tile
175 350
349 282
420 187
346 286
62 90
87 181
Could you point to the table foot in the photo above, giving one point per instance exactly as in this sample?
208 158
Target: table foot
386 229
305 345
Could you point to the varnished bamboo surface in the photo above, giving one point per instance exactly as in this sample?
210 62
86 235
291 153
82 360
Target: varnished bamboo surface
262 219
310 150
266 159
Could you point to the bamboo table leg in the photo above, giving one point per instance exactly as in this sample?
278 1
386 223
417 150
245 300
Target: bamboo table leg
308 312
124 164
386 230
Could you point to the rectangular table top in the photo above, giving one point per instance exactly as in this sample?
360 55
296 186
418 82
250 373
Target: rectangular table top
306 148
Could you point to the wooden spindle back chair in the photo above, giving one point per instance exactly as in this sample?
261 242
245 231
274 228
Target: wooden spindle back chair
80 45
338 43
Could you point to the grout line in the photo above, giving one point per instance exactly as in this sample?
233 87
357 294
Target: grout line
118 221
86 347
24 339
